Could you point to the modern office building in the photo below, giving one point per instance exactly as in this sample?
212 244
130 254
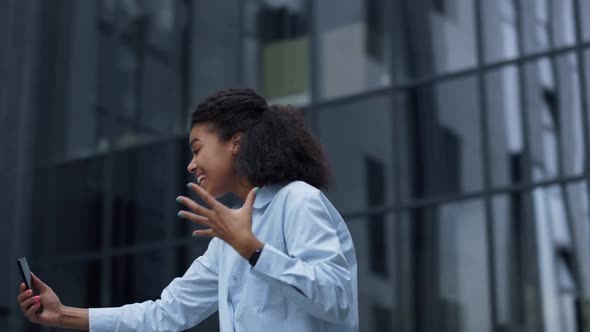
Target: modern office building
458 131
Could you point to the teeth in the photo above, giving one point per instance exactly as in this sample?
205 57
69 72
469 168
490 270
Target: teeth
200 178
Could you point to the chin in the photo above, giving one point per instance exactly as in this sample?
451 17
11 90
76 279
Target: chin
215 193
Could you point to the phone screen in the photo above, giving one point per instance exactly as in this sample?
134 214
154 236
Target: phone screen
25 272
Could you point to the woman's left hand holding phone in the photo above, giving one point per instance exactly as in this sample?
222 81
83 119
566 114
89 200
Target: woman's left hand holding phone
30 304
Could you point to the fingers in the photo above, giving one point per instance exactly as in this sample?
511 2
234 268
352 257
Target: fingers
24 295
30 313
38 283
194 218
204 232
26 304
210 200
249 203
193 206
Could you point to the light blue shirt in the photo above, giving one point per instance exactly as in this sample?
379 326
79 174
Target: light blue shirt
304 280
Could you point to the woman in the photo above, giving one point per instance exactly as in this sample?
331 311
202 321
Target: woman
283 261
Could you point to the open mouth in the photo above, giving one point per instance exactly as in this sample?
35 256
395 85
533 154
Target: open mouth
200 179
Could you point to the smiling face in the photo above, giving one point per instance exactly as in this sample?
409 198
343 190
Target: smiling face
213 160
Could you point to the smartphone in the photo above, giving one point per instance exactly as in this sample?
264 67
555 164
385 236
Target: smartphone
25 272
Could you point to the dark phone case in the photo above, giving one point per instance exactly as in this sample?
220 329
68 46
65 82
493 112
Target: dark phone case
25 272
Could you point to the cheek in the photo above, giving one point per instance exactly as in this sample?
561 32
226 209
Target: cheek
219 165
227 165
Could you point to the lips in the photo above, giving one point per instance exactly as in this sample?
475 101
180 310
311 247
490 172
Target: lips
200 179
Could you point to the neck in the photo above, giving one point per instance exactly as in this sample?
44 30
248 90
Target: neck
243 188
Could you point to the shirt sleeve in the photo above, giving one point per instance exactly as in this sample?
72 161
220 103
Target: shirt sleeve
184 303
315 273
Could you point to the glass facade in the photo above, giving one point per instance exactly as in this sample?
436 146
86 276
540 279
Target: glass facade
458 132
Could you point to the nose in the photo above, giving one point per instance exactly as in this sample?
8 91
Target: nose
192 166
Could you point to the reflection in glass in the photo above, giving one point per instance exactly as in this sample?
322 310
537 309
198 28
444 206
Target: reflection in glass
375 193
69 216
378 307
454 140
585 8
161 93
571 122
553 222
163 22
77 284
587 76
463 277
140 186
358 138
139 81
452 277
133 278
555 117
562 22
534 32
576 203
75 121
276 47
354 47
507 230
499 29
518 289
504 120
442 154
547 24
453 32
440 37
212 48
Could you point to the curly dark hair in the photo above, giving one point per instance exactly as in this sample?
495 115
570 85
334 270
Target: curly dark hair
275 145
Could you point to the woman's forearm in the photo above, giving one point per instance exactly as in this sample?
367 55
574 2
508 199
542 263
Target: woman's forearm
74 318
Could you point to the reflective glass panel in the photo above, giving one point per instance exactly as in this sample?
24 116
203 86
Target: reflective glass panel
354 45
139 81
69 218
358 139
438 37
444 129
505 127
500 29
516 271
276 50
554 117
552 222
133 278
547 24
451 267
374 238
214 54
576 205
143 199
77 284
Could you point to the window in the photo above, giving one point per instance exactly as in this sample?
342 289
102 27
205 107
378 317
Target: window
354 49
277 50
375 180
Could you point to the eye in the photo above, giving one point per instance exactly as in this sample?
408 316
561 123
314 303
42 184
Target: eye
196 151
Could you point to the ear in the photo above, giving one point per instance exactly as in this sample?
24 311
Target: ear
235 142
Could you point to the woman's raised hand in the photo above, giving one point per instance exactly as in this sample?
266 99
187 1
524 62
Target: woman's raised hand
232 226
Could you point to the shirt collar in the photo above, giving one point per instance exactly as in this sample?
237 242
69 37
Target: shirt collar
266 194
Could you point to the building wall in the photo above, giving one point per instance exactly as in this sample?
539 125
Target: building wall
458 141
